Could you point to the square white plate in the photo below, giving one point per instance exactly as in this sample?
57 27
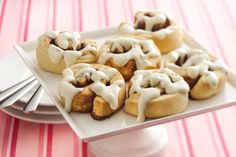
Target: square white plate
89 129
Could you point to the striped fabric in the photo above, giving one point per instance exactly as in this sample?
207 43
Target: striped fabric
212 22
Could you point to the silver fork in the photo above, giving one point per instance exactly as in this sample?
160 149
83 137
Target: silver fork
14 97
13 89
34 101
9 96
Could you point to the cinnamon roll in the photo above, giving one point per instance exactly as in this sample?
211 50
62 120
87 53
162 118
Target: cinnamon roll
57 50
156 93
205 74
93 88
157 26
129 54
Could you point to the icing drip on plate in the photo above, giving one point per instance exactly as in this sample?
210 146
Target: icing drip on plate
66 47
109 92
150 84
196 63
138 50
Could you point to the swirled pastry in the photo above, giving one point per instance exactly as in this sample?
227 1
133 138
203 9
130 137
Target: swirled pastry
205 74
156 93
166 33
57 50
129 54
94 88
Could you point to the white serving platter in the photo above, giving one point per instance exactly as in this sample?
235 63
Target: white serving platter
89 129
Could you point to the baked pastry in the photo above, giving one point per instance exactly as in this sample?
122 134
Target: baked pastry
156 93
166 33
205 74
129 54
93 88
57 50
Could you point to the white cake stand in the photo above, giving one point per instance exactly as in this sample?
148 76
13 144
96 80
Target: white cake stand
149 142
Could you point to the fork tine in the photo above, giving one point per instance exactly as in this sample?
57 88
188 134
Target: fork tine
34 100
13 98
8 92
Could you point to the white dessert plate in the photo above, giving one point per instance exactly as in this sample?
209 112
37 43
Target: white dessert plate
89 129
48 110
14 70
34 117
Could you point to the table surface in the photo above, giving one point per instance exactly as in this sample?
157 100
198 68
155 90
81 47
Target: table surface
212 22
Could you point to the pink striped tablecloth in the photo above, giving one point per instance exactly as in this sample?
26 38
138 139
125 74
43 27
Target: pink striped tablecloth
212 22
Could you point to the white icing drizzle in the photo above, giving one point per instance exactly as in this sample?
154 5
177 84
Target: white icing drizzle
135 52
70 57
56 53
81 65
109 93
67 90
198 63
212 79
64 38
150 83
159 17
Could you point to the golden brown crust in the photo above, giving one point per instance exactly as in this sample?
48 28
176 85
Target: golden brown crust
83 102
197 91
172 41
126 71
102 110
130 67
164 105
199 84
45 62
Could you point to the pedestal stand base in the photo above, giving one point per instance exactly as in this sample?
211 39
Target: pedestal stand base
149 142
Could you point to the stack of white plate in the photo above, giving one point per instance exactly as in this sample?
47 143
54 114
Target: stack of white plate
14 70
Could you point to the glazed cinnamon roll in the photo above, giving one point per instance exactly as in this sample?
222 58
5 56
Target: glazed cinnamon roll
93 88
156 93
157 26
57 50
129 54
205 74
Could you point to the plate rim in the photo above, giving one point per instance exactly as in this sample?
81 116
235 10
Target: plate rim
18 106
21 115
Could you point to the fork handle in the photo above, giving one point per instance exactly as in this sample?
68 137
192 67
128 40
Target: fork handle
34 101
12 99
10 91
